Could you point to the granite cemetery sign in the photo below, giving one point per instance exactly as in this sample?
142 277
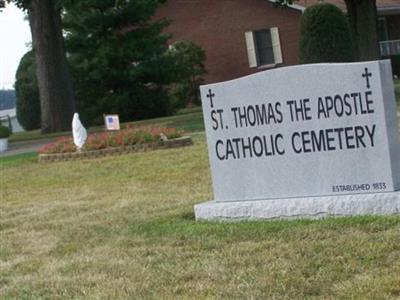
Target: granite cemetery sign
302 133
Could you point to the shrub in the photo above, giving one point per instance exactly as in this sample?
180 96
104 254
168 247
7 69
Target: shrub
395 65
127 137
4 132
27 92
189 60
116 53
325 35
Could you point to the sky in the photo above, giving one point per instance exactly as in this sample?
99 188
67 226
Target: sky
15 41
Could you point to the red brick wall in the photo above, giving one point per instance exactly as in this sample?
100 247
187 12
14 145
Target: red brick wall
393 27
219 27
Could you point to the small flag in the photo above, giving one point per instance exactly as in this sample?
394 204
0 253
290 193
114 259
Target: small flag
112 122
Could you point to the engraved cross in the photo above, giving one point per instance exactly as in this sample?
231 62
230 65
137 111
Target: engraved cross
211 95
367 75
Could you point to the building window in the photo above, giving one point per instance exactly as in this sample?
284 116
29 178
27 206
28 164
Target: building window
263 48
263 43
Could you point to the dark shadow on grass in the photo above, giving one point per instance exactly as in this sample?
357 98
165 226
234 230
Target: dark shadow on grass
185 226
18 159
189 216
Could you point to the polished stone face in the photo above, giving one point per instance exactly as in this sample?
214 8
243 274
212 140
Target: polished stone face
311 130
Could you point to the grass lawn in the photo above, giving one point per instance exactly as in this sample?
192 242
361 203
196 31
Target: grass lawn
123 228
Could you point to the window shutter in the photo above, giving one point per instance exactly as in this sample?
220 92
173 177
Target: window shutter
276 45
251 49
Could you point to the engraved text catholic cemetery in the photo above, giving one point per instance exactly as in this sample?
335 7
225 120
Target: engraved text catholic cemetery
312 130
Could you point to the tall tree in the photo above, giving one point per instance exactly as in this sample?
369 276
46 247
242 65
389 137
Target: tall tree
55 84
118 60
325 35
363 25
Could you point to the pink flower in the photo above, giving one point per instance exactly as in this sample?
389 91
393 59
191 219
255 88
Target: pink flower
129 136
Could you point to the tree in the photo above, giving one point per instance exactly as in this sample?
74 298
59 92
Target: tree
55 84
325 35
27 92
363 26
189 60
118 59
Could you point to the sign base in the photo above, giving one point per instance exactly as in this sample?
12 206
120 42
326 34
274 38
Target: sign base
301 208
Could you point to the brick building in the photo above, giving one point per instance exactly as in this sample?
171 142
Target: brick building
241 37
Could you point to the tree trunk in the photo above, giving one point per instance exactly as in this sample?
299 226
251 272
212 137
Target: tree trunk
54 80
363 25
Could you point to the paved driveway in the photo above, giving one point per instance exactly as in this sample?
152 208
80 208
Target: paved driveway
24 147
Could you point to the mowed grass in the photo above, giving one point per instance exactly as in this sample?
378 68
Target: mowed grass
123 228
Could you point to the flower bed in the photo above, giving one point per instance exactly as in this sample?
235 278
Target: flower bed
129 140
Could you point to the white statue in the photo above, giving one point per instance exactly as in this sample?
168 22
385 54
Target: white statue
78 132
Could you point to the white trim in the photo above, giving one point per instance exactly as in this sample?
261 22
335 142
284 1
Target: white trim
251 49
276 45
263 67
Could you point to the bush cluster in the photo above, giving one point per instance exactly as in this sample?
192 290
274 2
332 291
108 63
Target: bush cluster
27 93
188 59
325 35
395 65
4 132
126 137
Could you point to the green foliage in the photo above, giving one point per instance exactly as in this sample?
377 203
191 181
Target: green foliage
395 64
117 59
4 132
27 92
125 137
325 35
24 4
189 60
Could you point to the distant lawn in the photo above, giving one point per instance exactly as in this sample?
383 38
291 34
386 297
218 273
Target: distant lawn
123 228
189 120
